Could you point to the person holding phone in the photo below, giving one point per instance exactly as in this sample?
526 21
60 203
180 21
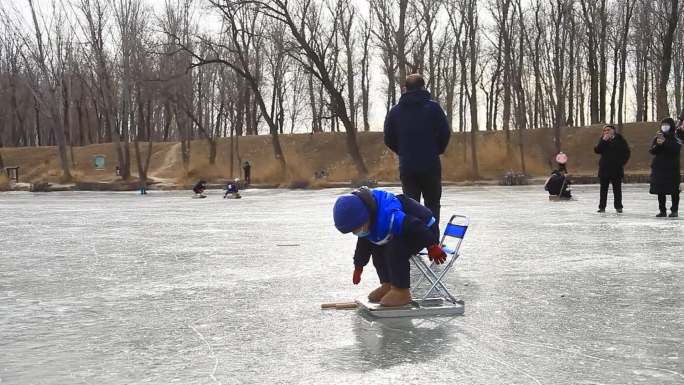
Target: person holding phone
665 171
615 153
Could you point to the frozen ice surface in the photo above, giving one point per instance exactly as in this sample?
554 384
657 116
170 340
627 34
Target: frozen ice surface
113 288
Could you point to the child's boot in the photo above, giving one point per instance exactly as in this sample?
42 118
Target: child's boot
396 297
377 294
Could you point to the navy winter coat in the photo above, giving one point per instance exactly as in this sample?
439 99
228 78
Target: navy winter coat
417 130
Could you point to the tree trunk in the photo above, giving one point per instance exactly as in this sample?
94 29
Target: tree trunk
53 98
232 150
616 54
315 118
623 61
365 77
506 117
593 69
401 41
570 122
639 86
603 63
2 163
36 108
663 109
474 53
58 132
521 114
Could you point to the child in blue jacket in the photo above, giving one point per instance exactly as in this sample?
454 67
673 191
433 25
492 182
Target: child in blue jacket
390 228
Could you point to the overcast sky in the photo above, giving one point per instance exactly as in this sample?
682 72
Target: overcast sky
209 20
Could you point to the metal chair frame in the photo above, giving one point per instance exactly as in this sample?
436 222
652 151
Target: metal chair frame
456 228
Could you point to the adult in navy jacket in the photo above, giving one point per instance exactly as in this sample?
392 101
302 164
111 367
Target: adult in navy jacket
417 130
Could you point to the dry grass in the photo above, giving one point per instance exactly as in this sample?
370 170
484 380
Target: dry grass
4 183
307 154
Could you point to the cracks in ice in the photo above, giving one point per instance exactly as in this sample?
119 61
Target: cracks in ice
211 349
570 351
504 363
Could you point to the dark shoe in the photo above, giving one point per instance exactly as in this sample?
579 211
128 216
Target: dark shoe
601 210
674 214
661 214
619 211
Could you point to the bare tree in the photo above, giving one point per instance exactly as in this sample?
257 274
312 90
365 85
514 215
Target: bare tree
594 16
346 15
504 21
48 82
626 17
472 42
561 13
242 27
365 71
311 49
385 37
670 14
517 75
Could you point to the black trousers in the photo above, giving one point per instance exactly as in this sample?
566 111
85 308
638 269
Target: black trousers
427 185
662 200
391 261
617 192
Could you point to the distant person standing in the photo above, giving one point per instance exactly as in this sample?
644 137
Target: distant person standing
615 153
417 130
247 168
680 126
665 171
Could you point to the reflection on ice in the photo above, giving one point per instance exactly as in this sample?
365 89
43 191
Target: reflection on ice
113 288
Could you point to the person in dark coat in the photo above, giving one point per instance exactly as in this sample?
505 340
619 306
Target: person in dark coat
558 184
199 188
665 173
680 126
615 153
247 168
417 130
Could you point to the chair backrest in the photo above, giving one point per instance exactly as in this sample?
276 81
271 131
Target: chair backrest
454 232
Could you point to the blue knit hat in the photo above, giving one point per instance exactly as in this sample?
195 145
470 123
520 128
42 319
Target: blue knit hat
349 213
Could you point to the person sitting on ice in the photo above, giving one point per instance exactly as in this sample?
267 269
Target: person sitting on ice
558 183
232 189
390 228
199 188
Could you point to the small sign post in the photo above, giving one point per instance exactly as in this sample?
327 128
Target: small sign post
99 162
13 173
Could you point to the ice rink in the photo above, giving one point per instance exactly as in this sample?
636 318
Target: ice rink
118 288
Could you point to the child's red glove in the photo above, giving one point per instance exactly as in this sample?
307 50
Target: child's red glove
357 275
436 254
